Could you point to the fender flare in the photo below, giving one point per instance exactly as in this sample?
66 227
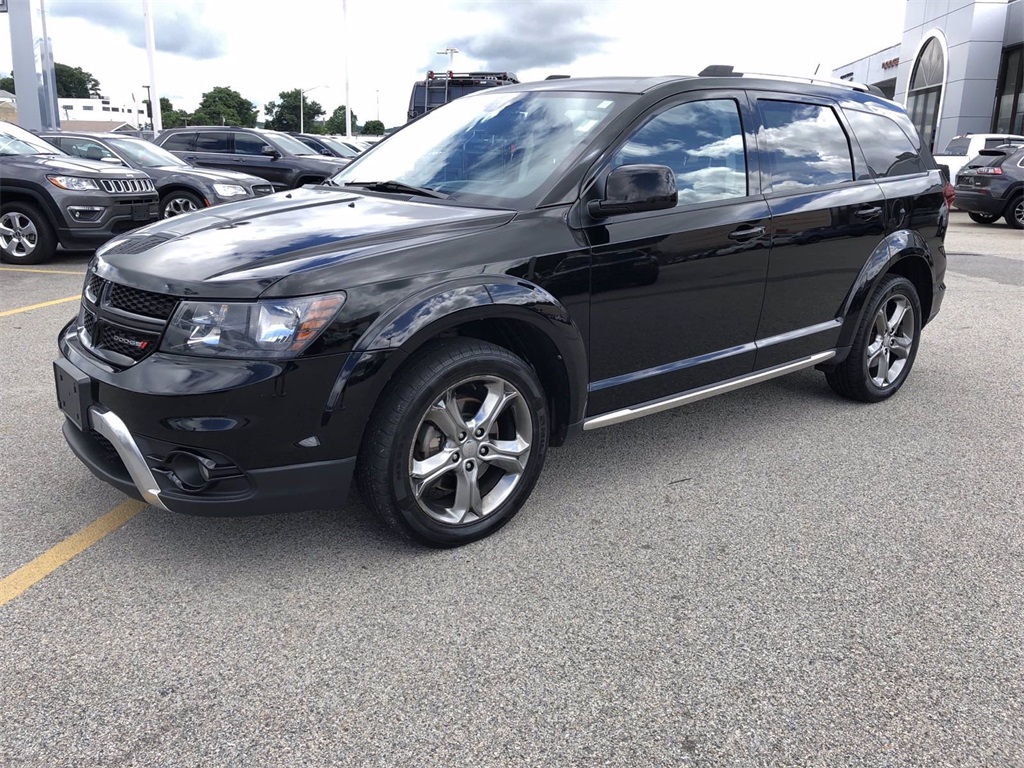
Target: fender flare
411 323
898 246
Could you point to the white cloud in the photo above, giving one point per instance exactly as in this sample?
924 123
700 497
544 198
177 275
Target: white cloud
266 48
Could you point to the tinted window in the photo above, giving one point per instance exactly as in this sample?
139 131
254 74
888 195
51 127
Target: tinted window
885 145
805 146
180 142
212 142
702 142
247 144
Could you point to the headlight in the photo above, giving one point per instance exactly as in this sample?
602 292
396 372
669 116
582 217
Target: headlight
272 328
74 183
229 190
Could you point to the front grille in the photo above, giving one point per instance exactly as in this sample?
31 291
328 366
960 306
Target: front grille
138 302
259 190
123 324
125 186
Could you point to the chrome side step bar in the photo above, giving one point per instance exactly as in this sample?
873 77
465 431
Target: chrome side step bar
674 401
111 427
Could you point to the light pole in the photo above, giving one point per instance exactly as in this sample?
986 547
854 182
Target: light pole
450 52
302 99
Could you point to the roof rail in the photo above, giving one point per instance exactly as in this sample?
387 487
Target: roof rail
726 70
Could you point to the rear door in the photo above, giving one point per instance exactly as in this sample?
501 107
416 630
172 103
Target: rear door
826 222
212 149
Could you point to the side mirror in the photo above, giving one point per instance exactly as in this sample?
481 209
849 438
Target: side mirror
111 160
271 152
636 189
325 152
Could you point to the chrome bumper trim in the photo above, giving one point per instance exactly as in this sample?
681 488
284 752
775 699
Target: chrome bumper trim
674 401
111 427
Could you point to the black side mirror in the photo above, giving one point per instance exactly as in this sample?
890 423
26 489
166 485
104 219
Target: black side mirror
635 189
271 152
325 152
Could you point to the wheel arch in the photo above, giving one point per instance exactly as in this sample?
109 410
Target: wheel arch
45 204
513 314
180 186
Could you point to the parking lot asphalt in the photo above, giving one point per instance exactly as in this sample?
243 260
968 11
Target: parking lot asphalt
772 577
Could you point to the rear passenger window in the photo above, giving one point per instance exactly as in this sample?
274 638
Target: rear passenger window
805 146
886 147
212 142
179 142
702 142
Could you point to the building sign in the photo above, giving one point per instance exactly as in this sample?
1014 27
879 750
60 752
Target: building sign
890 63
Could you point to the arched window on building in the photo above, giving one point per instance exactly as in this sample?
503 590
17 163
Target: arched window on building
926 90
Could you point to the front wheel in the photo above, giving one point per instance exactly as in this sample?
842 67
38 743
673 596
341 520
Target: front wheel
885 346
982 218
179 203
25 235
456 444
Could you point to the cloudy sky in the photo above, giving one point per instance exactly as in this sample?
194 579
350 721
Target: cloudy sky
261 47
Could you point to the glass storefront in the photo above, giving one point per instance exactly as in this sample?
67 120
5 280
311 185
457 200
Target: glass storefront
926 90
1009 117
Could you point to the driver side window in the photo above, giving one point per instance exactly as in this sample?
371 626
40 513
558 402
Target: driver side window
702 142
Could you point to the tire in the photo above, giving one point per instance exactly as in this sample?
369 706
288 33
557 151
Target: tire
1015 212
885 346
179 202
26 237
983 218
423 467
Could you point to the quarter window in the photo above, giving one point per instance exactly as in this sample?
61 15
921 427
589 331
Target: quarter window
805 146
885 145
702 142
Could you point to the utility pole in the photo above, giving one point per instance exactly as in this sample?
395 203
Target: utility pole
450 52
344 42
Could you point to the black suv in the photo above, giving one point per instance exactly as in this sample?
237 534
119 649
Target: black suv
48 198
512 268
992 185
281 159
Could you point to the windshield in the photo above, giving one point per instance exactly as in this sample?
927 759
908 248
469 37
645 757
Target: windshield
18 141
289 144
144 154
495 147
957 146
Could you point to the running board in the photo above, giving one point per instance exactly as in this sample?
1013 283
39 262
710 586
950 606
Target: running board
674 401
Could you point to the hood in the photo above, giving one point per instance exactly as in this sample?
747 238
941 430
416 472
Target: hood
72 165
212 176
239 249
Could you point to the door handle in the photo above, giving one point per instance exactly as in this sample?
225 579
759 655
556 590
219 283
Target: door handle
867 213
746 233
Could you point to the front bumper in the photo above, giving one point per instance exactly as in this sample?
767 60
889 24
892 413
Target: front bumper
120 214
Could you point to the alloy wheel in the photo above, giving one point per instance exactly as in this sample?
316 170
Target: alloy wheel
892 341
176 206
471 450
18 234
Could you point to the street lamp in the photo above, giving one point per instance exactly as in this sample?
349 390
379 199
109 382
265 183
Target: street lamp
302 99
450 52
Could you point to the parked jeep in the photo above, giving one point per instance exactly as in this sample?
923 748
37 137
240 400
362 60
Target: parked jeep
511 269
47 197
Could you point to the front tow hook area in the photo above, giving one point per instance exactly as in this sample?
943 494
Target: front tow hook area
113 429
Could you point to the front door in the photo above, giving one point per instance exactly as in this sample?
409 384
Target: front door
676 295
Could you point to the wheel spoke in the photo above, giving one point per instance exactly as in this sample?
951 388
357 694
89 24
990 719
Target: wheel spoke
507 455
467 495
497 399
444 414
898 313
5 230
901 346
874 350
428 471
882 375
880 322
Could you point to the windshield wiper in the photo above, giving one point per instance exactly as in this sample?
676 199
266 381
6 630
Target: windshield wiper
397 186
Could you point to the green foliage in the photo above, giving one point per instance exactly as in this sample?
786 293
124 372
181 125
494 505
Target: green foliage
283 115
72 82
336 122
373 128
224 106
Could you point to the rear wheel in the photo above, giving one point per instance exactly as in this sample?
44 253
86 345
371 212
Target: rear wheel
456 444
1015 213
25 235
982 218
885 346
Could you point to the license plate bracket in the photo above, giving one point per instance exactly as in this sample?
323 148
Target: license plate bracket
140 212
74 393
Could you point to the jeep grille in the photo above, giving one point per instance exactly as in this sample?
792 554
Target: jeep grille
123 186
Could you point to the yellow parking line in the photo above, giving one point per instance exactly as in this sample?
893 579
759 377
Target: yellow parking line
42 271
23 578
65 300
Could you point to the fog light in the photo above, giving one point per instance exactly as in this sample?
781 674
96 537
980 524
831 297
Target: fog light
86 212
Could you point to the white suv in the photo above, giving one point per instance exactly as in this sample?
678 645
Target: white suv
962 148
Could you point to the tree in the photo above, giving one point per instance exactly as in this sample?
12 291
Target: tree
72 83
336 122
224 106
373 128
284 115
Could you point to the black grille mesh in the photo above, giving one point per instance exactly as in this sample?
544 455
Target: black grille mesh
133 300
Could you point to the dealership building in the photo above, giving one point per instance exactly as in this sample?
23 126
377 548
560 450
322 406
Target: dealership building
957 68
